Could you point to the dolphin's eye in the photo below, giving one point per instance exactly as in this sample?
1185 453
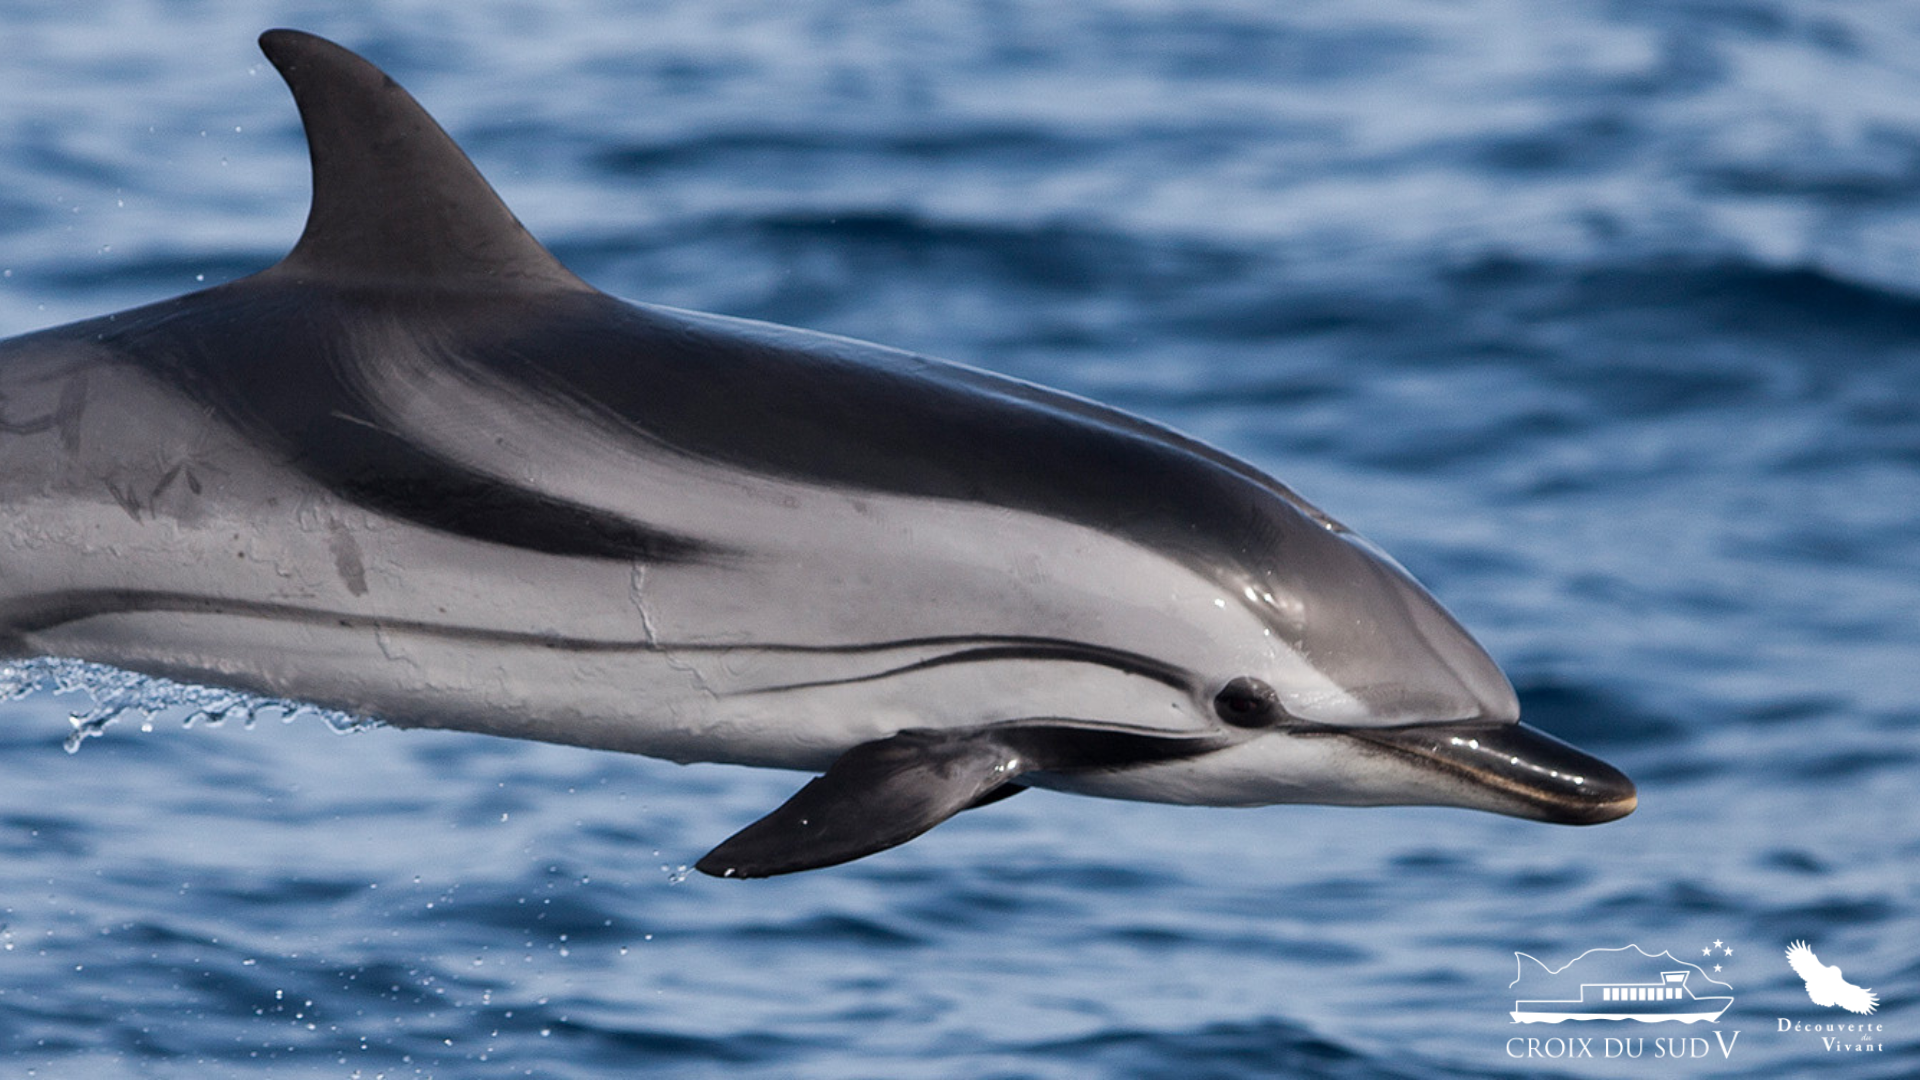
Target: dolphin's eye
1247 702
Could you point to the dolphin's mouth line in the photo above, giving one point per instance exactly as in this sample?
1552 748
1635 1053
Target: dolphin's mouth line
1552 779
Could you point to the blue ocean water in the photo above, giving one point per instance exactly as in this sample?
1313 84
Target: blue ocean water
1603 317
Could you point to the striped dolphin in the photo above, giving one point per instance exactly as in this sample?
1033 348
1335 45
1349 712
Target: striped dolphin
419 471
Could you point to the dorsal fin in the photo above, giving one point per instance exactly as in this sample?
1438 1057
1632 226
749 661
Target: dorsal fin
395 201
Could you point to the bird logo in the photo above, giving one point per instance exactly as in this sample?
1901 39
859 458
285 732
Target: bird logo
1824 984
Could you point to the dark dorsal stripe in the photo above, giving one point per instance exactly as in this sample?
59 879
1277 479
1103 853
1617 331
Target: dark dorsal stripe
281 369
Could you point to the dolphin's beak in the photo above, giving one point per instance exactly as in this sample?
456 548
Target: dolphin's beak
1510 769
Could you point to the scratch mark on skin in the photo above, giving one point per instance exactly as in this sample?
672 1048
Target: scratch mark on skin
637 595
29 427
165 483
363 422
126 498
65 416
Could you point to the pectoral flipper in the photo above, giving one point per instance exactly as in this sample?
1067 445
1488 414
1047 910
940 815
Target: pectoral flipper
884 793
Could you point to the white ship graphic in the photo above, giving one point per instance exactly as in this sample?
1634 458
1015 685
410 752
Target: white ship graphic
1648 1002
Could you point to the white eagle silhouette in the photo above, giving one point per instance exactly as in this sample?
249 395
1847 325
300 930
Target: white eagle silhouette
1824 984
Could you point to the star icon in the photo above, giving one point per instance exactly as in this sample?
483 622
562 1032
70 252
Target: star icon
1708 951
1716 967
1728 951
1717 944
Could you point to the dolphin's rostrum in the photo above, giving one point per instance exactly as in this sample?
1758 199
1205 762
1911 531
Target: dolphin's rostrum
420 471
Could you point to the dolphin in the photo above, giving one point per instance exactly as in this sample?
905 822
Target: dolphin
419 471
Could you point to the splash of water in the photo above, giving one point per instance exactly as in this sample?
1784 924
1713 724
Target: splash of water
116 692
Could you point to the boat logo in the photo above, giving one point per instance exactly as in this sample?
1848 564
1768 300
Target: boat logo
1627 983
